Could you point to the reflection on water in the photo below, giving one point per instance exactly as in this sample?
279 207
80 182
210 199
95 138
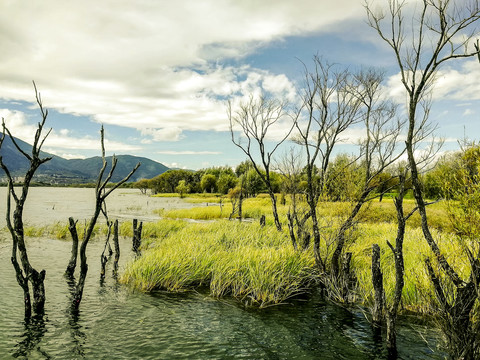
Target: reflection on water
114 322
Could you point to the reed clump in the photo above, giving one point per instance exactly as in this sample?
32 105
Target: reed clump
254 264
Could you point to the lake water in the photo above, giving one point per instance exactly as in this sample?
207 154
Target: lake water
46 205
117 323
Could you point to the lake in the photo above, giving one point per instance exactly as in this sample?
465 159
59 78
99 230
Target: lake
115 322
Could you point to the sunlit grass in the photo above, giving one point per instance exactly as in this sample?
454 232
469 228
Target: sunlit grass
417 294
374 212
256 265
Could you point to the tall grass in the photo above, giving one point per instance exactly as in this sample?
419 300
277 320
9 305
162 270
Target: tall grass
256 265
417 293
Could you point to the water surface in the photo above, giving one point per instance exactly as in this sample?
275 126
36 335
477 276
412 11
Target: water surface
46 205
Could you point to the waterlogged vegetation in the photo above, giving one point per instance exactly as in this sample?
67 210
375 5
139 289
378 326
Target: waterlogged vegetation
258 265
365 228
253 264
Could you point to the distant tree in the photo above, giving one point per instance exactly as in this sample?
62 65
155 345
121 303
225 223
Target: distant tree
168 181
182 188
143 185
209 183
243 167
226 182
253 183
344 180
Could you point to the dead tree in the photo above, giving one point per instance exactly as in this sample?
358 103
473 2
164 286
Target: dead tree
441 32
378 150
290 167
326 111
116 247
383 311
24 271
72 264
236 196
255 119
101 193
137 236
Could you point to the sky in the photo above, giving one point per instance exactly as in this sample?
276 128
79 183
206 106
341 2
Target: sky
157 74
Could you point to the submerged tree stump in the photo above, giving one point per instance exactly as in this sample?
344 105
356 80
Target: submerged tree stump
117 248
72 227
137 236
377 280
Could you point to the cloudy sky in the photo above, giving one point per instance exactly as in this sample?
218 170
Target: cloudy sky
157 73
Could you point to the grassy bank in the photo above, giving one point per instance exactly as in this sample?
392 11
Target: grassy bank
256 265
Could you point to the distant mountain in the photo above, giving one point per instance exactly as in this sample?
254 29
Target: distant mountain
60 170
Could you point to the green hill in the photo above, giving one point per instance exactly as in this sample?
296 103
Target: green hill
60 170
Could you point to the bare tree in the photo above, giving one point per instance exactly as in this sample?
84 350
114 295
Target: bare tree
327 110
24 271
441 32
290 167
255 118
101 193
378 150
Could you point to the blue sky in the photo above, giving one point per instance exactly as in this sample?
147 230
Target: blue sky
156 73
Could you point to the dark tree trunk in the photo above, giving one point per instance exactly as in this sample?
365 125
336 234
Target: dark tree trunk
377 280
291 230
137 236
276 219
23 282
340 238
262 220
38 287
117 248
72 227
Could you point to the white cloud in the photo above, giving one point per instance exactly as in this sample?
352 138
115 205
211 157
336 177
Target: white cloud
17 123
63 154
460 84
150 65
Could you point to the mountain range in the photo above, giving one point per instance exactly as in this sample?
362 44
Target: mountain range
70 171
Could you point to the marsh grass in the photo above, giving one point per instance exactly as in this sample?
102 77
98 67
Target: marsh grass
256 265
374 213
59 230
417 294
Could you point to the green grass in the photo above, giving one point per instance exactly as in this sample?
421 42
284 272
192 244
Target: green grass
373 213
256 265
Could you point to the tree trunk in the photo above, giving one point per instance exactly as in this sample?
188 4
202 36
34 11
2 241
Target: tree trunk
340 238
275 212
291 230
137 236
378 293
72 227
391 320
23 282
117 248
